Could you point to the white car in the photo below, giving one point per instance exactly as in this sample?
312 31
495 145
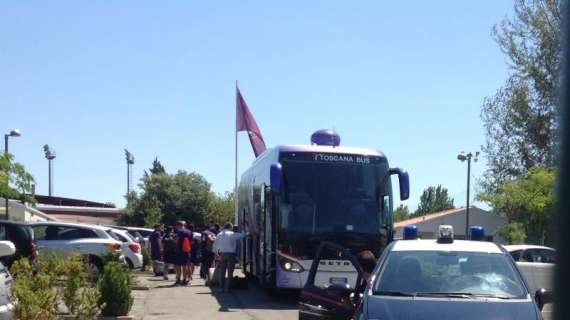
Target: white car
68 239
7 248
139 234
536 263
131 249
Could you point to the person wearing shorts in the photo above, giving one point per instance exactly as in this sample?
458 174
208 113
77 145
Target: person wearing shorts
181 257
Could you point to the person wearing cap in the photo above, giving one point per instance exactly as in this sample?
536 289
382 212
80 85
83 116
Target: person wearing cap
225 247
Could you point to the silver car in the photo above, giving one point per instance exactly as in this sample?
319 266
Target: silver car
536 263
68 239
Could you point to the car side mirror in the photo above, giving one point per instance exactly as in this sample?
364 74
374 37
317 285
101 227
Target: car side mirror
403 181
7 248
542 297
275 174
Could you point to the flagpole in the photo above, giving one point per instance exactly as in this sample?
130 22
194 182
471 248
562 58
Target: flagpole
236 162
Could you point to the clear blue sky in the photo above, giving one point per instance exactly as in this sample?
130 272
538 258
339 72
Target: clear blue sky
93 77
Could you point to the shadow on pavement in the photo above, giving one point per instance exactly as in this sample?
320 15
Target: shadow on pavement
255 297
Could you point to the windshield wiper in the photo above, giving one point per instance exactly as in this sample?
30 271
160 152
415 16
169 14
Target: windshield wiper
394 293
460 295
463 295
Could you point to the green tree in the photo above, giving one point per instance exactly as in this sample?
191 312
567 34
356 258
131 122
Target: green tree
15 181
223 207
168 197
434 199
513 233
527 200
152 214
521 118
401 213
157 167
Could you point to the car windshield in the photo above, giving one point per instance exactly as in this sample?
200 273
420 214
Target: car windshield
448 273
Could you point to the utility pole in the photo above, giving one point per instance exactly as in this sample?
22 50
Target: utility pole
467 157
14 133
130 161
50 155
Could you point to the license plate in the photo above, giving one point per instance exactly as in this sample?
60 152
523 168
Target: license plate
338 280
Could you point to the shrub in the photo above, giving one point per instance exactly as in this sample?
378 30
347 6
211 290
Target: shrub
146 257
115 288
111 255
88 304
37 289
33 291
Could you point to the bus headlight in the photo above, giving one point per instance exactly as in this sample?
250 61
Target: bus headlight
290 265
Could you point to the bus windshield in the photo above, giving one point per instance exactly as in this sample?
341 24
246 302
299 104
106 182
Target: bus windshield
333 197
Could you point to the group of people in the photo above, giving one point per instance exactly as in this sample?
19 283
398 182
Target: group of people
180 247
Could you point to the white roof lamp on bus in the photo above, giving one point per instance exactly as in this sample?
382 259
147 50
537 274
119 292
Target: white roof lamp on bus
310 194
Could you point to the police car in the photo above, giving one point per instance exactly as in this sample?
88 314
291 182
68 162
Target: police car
432 279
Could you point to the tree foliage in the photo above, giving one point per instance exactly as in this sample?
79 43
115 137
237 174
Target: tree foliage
223 208
15 181
434 199
521 119
527 200
401 213
166 198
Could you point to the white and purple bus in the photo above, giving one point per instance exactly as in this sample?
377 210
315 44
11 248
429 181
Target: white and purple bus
294 197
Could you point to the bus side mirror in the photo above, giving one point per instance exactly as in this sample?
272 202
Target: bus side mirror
404 181
275 177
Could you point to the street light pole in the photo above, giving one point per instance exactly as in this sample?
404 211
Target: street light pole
14 133
467 157
50 155
130 161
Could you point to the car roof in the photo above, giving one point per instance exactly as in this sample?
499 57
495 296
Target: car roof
18 223
70 224
516 247
456 245
123 232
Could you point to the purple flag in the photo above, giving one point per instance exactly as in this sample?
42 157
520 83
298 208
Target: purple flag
246 122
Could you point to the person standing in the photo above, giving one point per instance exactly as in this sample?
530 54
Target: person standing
194 253
207 258
156 250
225 247
183 248
169 250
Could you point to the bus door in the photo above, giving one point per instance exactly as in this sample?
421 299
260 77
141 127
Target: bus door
337 300
268 241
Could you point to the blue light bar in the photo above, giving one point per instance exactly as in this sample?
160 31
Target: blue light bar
477 233
410 232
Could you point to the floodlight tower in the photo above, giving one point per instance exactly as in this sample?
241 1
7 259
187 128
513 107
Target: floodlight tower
50 155
130 161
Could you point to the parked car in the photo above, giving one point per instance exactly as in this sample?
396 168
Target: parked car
131 249
536 263
22 236
422 279
67 239
7 249
140 234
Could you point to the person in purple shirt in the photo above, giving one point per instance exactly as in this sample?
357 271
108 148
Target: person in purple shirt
156 250
182 254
